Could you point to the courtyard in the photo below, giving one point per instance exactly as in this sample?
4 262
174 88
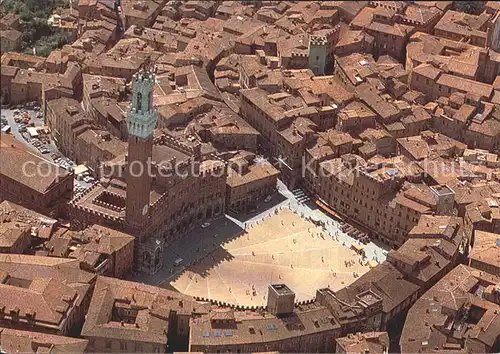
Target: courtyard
283 246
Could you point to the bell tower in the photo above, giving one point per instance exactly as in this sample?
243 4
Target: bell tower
141 122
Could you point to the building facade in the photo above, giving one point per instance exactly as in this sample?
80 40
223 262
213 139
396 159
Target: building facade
158 171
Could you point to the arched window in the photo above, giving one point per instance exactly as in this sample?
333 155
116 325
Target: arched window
139 101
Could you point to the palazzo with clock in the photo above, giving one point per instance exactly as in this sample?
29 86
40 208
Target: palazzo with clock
157 191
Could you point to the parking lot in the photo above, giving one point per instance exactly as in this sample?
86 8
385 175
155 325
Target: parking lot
26 124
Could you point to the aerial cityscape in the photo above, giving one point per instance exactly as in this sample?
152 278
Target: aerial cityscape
249 176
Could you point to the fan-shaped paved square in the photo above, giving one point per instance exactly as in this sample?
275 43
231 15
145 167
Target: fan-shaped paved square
284 247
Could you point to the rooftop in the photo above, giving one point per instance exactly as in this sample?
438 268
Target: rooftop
385 281
147 318
11 232
260 99
262 328
461 302
256 172
486 248
21 165
463 24
281 289
370 342
466 85
12 340
429 144
47 301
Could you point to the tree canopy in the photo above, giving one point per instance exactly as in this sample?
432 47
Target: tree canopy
471 7
33 16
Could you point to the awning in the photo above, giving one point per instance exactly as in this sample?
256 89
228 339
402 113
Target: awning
80 169
357 248
32 131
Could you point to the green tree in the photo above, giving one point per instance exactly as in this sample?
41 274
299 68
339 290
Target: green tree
471 7
33 16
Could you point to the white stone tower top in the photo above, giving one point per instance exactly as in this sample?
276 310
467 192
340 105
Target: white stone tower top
142 117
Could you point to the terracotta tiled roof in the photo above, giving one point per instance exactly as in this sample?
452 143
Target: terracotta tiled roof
153 305
386 281
486 248
27 168
12 340
450 303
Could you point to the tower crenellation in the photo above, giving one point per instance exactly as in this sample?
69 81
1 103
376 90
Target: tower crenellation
142 117
141 122
318 54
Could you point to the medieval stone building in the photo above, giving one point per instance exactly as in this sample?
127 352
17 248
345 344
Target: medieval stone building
157 191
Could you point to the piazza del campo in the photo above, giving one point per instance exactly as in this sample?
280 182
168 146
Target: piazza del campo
249 176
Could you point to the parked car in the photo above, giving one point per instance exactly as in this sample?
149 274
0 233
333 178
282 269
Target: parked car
268 199
205 225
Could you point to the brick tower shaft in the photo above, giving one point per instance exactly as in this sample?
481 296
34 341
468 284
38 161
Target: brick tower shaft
141 121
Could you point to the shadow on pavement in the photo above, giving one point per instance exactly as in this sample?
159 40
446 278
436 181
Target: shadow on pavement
201 268
200 247
277 199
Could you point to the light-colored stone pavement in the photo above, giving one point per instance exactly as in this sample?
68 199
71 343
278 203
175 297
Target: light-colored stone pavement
282 247
206 249
298 201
